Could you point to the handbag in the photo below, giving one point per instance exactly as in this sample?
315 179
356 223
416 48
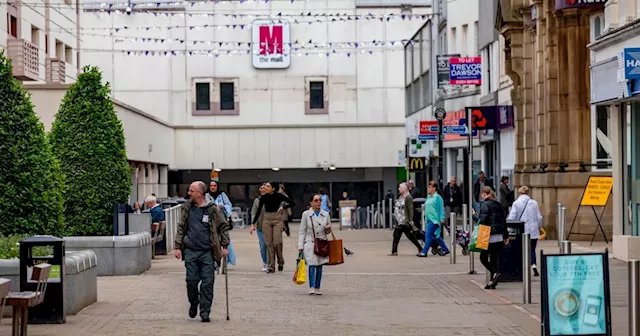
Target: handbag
336 251
320 246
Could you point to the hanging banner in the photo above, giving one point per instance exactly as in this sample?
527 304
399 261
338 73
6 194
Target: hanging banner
465 71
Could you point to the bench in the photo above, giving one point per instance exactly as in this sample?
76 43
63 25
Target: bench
157 234
4 290
21 301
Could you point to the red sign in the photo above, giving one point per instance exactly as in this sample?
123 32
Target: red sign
427 127
271 40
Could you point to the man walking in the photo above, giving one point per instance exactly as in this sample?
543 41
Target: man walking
202 238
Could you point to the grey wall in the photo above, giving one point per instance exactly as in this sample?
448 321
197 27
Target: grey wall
487 23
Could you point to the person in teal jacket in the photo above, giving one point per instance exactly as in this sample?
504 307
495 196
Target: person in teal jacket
434 219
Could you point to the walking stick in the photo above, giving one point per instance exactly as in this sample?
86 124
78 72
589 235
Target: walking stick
226 284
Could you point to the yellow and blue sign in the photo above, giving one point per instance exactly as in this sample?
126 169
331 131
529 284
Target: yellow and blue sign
575 294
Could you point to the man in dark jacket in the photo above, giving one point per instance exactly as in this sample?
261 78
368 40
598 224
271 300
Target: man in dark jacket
201 241
452 197
481 182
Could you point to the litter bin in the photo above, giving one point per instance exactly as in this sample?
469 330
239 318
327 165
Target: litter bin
51 310
511 255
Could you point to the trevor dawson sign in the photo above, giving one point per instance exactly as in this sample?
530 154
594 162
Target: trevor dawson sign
271 40
465 71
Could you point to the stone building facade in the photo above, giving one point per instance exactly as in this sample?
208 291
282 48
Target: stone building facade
547 58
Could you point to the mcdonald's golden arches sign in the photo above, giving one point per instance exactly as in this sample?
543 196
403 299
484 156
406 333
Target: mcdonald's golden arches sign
416 164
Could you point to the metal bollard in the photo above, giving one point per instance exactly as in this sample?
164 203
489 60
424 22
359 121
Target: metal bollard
467 225
561 222
526 268
558 211
634 297
378 216
368 218
566 247
465 214
382 215
390 214
452 236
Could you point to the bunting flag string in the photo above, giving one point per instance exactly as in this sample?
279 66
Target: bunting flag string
240 52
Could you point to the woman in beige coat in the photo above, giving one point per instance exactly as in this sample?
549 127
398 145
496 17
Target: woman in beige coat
315 223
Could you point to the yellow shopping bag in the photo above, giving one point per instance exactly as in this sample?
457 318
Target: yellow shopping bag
300 275
484 232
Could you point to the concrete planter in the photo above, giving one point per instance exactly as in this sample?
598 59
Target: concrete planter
81 281
117 255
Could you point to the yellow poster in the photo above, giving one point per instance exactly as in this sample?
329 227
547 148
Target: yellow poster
597 191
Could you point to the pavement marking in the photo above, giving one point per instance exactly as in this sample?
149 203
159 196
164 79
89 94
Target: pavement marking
516 306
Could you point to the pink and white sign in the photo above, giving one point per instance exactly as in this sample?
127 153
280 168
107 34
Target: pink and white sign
465 71
271 41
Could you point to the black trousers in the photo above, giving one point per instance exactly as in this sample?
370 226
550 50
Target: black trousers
397 233
490 258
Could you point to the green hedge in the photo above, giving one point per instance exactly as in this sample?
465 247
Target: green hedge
9 248
88 139
31 185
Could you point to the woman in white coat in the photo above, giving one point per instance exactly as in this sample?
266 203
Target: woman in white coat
315 223
526 209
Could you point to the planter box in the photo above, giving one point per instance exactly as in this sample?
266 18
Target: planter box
81 281
117 255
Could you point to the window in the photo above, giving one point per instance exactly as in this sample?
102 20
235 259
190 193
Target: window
12 25
35 36
464 41
602 135
68 54
476 33
316 95
453 41
488 66
46 44
203 101
227 99
60 50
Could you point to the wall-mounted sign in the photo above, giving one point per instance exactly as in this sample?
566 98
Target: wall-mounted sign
443 69
563 4
631 63
465 71
271 40
416 164
505 117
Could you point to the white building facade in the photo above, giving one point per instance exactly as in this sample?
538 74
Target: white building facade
327 111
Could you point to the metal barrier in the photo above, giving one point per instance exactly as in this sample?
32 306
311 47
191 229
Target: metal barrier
452 236
171 217
634 297
526 268
566 247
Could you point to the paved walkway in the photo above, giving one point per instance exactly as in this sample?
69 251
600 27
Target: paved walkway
371 294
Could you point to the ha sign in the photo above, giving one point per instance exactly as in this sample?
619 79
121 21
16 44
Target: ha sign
631 63
465 71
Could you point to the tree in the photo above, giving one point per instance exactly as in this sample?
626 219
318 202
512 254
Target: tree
31 184
88 139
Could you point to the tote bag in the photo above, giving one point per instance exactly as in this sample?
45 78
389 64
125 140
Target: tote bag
336 251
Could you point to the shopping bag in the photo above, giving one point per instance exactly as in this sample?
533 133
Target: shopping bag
300 275
543 234
482 240
231 257
472 240
336 255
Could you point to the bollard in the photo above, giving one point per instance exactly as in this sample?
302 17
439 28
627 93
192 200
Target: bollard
452 236
563 218
526 268
566 247
634 297
390 213
465 216
558 220
368 218
382 215
378 216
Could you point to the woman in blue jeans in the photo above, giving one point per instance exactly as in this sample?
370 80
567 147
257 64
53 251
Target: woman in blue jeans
258 228
315 223
434 218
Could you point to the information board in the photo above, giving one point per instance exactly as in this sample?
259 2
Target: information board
348 212
597 191
575 294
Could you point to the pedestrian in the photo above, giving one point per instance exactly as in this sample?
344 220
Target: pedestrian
201 240
272 225
413 190
526 209
221 200
481 182
157 214
325 205
434 220
452 196
403 213
258 228
506 194
315 224
286 213
492 214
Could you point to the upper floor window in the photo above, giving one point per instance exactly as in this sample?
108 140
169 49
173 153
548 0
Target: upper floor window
316 100
316 95
203 97
12 25
227 99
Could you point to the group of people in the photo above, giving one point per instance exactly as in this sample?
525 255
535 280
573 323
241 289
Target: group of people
490 212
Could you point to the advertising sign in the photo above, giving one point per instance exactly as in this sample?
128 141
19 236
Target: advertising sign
484 117
631 63
443 69
416 164
597 191
505 117
429 130
575 294
465 71
347 213
563 4
271 39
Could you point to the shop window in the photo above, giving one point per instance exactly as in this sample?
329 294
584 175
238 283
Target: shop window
602 137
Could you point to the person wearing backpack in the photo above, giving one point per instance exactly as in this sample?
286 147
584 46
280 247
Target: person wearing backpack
526 209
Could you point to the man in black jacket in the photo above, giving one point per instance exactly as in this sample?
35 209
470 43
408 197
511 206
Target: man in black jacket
481 182
452 197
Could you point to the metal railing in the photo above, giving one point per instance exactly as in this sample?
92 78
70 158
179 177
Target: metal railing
378 215
171 216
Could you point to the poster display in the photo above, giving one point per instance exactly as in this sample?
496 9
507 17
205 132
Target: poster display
575 294
348 211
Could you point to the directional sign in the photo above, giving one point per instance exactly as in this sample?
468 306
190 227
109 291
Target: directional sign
429 127
454 129
463 122
428 137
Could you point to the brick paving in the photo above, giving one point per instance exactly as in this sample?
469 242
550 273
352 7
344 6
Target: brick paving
371 294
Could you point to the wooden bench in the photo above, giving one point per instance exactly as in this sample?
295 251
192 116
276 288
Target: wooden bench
4 290
21 301
157 234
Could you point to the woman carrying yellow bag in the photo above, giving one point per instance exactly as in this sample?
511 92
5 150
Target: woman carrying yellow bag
315 224
491 215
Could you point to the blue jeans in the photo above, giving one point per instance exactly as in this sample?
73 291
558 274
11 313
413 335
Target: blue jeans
534 243
429 235
263 246
315 276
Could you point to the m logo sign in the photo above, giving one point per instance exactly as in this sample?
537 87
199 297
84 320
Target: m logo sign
416 164
271 41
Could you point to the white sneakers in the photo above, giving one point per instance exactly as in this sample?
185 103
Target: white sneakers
312 291
318 291
264 267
